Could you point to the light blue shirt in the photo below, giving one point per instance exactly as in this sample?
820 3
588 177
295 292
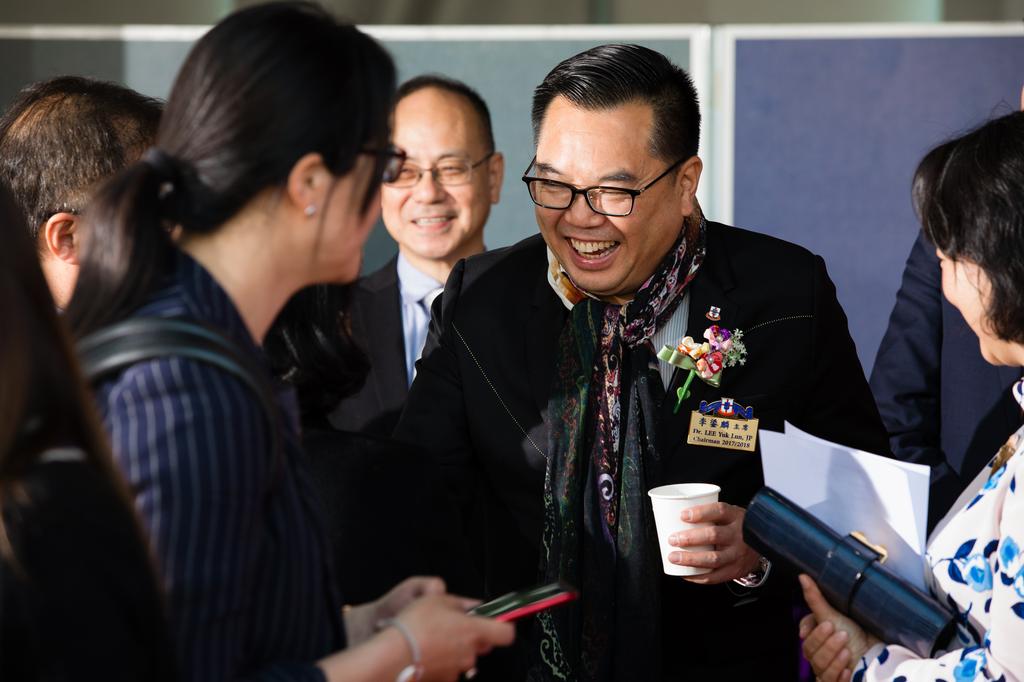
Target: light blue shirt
418 292
670 334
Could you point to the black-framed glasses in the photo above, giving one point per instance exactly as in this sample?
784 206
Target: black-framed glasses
611 201
390 161
450 171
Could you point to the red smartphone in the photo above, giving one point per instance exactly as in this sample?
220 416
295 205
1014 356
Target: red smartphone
516 605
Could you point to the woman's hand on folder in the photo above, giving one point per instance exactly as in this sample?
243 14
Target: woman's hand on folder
731 557
832 642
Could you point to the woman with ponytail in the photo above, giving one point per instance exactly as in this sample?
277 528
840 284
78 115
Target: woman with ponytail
264 180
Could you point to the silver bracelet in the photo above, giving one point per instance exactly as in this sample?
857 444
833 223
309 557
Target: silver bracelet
414 671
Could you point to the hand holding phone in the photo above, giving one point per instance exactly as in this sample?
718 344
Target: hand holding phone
516 605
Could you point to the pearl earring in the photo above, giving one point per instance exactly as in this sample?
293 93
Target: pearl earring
310 210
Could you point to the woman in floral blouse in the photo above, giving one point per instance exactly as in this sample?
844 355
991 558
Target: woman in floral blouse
969 194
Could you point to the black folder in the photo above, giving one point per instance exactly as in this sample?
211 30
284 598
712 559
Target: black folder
849 573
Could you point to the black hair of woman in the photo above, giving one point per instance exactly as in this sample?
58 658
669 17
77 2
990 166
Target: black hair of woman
310 346
262 89
969 195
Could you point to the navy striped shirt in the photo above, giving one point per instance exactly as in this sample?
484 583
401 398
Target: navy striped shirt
233 522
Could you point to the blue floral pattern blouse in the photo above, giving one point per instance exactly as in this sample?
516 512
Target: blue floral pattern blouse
976 557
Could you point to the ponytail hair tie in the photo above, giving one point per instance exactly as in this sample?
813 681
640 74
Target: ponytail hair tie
163 163
171 180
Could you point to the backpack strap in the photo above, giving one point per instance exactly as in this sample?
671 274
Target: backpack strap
112 349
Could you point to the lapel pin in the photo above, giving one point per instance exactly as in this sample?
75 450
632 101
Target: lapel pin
714 314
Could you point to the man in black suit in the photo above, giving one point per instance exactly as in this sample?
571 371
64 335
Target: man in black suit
943 404
436 211
540 394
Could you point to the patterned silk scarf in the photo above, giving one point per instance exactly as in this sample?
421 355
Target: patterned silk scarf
598 527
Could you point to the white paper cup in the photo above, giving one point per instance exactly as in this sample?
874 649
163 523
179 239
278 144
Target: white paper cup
668 502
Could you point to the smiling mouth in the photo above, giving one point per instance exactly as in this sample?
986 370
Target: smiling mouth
435 220
592 250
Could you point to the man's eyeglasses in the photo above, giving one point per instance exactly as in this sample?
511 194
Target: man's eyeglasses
389 160
611 201
450 172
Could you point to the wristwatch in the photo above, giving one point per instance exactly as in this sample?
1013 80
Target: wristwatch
756 577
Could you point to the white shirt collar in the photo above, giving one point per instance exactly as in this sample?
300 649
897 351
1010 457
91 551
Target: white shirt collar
413 284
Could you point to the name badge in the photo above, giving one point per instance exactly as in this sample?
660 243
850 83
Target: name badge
723 424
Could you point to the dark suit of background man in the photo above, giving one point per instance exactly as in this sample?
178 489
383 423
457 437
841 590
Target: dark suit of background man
552 424
436 211
943 404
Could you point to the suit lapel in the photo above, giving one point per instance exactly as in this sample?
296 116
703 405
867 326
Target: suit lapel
382 310
711 287
543 328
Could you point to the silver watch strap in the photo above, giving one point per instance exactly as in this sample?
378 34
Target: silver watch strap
756 577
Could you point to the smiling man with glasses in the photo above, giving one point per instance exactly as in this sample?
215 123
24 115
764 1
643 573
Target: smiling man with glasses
541 394
435 208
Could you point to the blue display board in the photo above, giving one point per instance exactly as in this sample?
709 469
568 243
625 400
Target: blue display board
827 134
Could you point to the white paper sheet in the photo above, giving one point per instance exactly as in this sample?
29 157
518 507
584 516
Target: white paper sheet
852 490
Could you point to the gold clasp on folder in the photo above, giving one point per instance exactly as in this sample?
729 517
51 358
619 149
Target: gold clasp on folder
882 552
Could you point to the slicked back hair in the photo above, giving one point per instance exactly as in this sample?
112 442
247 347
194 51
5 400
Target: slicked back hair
62 137
609 76
454 87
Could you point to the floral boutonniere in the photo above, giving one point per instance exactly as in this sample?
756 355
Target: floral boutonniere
721 348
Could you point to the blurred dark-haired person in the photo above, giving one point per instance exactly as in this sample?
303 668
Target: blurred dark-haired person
541 394
435 210
78 596
59 140
264 179
969 195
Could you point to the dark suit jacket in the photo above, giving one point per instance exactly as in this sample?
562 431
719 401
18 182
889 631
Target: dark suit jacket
942 403
376 309
414 528
480 398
